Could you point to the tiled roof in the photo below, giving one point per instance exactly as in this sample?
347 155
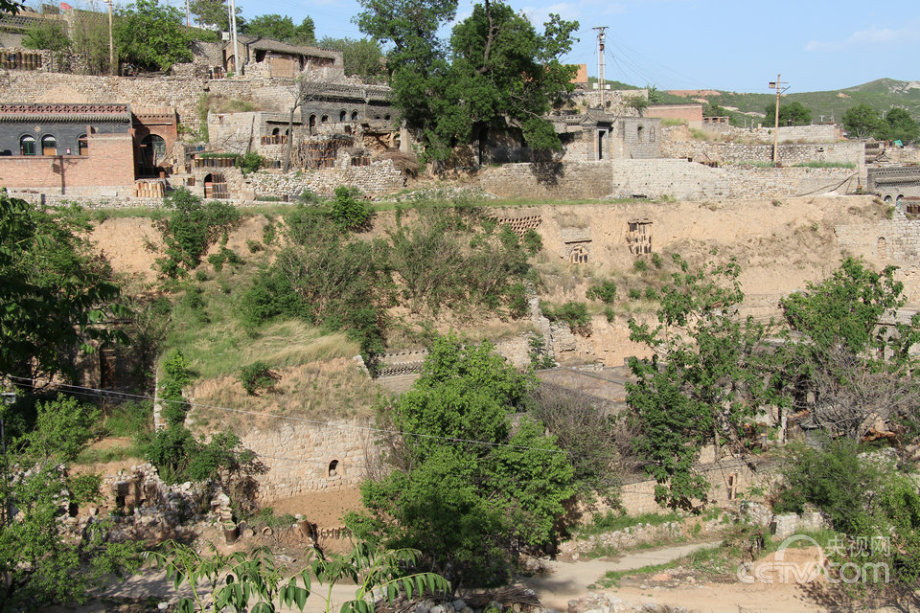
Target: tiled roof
64 112
267 44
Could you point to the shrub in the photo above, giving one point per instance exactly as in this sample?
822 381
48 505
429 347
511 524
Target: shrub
635 293
189 229
651 293
518 305
573 313
348 212
657 262
257 376
253 246
201 275
609 314
250 162
176 376
533 242
640 265
269 233
604 291
217 261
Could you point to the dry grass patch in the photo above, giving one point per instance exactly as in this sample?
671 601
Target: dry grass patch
337 388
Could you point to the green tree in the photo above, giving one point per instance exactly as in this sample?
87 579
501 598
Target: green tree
899 125
54 291
792 114
49 34
90 34
703 382
841 351
282 28
234 581
469 490
496 68
362 57
861 120
214 13
348 212
151 35
40 567
190 228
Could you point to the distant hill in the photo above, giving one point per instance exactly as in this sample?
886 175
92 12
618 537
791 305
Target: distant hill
882 95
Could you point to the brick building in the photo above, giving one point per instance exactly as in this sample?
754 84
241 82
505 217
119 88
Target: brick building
66 148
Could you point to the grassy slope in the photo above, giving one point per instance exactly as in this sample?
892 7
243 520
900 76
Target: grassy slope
882 94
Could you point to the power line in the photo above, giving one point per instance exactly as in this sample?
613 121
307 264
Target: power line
93 391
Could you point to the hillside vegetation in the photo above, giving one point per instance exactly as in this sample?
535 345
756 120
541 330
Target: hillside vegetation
882 95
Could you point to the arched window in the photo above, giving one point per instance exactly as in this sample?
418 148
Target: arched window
387 117
324 119
312 124
82 145
275 131
354 115
333 468
49 145
343 116
27 145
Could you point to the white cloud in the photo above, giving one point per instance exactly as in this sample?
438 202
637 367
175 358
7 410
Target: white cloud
538 15
870 36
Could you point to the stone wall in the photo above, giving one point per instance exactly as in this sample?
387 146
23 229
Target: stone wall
788 154
728 480
823 133
312 456
183 91
377 179
691 181
894 241
570 181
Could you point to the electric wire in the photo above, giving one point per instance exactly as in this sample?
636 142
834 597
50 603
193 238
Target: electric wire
90 391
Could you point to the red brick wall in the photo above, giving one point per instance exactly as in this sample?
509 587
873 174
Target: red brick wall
109 162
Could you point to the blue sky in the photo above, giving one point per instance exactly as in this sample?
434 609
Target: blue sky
697 44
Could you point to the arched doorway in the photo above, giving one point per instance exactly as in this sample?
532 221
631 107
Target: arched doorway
153 150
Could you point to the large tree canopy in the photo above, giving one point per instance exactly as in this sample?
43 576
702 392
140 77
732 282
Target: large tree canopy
470 488
152 35
282 28
52 290
495 68
792 114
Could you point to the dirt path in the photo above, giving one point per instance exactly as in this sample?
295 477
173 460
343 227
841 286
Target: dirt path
568 580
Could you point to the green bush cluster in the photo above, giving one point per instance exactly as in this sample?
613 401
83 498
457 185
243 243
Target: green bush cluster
443 259
257 376
348 212
605 291
573 313
189 229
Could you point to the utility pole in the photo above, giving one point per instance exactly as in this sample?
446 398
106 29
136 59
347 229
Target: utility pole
112 66
188 15
778 86
238 65
601 81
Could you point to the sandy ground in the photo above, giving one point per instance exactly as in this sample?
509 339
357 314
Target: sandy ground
325 509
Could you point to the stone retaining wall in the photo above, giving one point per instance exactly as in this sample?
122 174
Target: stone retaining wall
570 181
307 457
788 154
